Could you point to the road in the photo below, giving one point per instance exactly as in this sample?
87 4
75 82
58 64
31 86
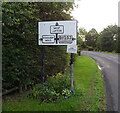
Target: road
108 63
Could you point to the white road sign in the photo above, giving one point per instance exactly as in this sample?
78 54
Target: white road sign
71 48
57 32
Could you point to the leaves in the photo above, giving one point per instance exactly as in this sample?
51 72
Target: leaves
21 53
108 39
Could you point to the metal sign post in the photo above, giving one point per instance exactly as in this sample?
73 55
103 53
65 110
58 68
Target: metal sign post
71 73
71 49
43 64
58 33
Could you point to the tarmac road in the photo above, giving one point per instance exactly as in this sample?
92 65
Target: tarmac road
108 63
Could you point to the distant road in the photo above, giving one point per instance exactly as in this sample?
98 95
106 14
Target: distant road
108 63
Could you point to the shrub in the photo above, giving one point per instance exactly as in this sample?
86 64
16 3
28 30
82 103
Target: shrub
54 88
58 83
43 94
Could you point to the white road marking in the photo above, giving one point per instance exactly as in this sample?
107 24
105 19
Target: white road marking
99 67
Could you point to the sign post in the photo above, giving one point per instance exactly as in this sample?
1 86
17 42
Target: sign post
72 49
59 33
43 64
71 73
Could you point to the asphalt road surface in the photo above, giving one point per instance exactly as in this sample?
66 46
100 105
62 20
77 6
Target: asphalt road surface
108 63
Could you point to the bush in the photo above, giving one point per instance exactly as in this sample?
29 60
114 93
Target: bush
54 88
21 54
43 94
58 83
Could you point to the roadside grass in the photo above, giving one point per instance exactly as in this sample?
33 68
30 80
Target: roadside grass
108 52
90 93
89 79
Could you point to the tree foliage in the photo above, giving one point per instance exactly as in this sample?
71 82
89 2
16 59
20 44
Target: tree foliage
21 53
81 37
106 40
90 38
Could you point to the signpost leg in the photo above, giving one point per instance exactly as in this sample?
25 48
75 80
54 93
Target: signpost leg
71 74
43 65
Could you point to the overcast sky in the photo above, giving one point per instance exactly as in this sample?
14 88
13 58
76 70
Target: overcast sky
96 14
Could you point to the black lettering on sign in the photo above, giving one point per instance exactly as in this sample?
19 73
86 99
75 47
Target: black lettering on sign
57 29
65 39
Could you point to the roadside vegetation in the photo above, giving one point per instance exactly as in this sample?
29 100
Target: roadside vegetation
22 56
22 63
89 92
107 40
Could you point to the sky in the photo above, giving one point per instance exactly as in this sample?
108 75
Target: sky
96 14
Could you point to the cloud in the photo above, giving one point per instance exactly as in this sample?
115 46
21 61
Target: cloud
96 14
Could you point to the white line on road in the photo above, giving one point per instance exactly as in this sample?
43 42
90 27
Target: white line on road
99 67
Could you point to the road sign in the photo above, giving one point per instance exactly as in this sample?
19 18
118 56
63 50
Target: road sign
71 48
57 32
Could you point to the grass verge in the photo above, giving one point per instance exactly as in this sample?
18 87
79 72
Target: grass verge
90 94
108 52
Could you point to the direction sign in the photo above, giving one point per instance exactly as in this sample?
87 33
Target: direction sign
57 32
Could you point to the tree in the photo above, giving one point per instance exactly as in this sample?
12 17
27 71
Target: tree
108 38
118 41
90 38
81 38
21 53
98 43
